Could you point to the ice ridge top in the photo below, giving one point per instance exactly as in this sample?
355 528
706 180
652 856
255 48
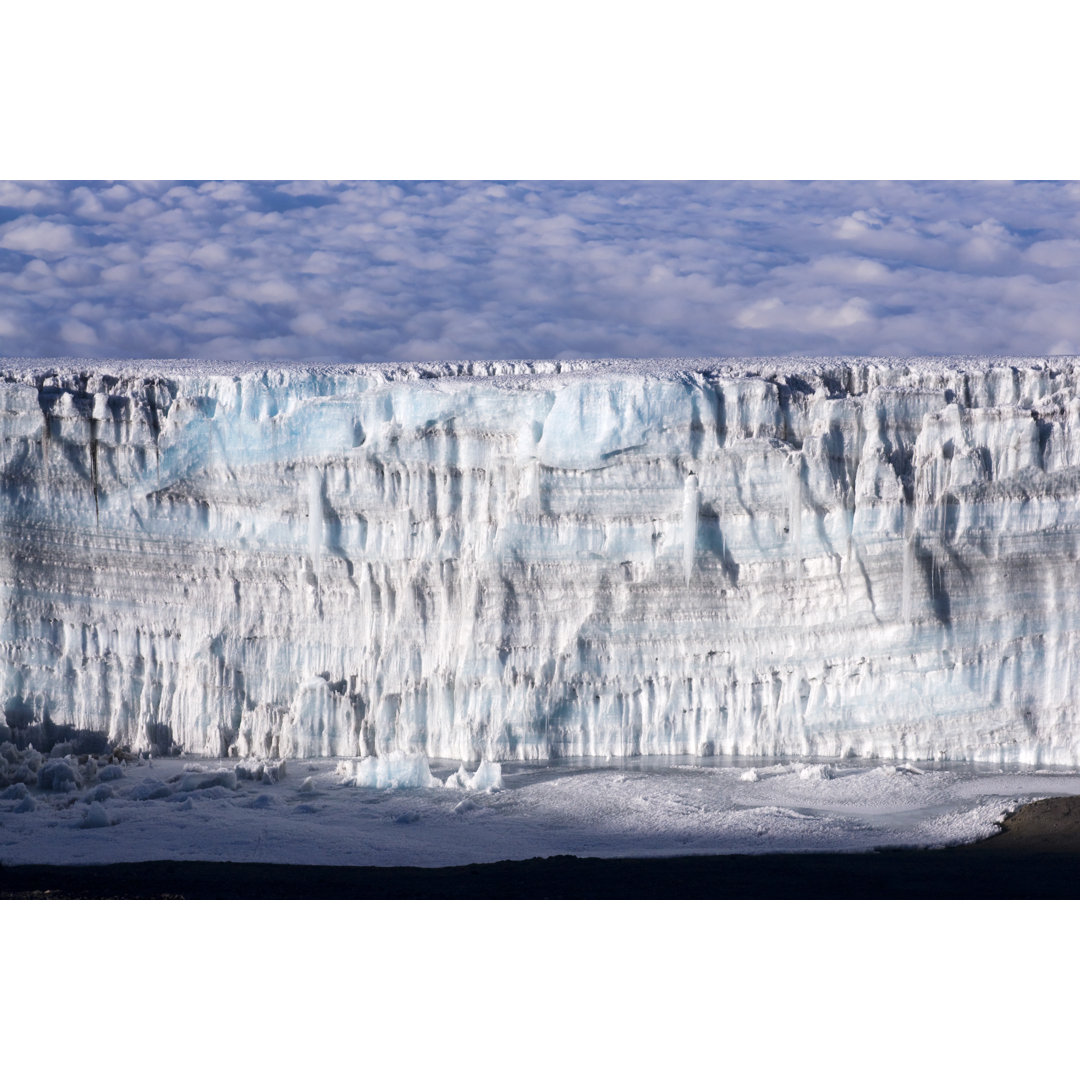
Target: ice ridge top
496 369
527 560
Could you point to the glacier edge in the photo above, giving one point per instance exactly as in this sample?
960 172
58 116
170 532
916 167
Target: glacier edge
527 561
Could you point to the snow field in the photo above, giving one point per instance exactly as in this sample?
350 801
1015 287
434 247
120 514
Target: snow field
431 813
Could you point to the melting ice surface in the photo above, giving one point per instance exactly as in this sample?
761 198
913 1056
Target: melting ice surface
316 811
538 562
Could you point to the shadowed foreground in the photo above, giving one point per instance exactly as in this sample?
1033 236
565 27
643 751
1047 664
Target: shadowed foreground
1035 856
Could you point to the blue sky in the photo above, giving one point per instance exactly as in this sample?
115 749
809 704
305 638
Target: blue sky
460 271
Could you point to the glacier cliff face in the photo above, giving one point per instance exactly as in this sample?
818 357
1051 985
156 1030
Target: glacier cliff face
533 561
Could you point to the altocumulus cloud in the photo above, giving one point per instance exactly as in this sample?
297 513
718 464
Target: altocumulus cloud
460 271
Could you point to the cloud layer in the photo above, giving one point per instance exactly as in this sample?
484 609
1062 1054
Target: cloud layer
448 271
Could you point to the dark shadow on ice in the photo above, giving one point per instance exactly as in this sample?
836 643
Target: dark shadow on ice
27 729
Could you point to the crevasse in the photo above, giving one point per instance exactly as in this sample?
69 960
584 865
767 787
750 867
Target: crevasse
531 561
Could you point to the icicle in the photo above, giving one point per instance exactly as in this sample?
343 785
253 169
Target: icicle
691 506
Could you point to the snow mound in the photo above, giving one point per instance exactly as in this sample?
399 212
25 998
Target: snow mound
95 817
817 772
57 775
801 769
198 779
111 772
148 789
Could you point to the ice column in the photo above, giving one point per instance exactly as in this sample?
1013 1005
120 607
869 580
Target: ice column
691 507
795 512
315 519
909 566
849 558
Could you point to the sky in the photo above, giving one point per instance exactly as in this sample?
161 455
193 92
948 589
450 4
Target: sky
426 271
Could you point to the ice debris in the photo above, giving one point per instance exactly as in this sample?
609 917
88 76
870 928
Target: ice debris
396 769
269 772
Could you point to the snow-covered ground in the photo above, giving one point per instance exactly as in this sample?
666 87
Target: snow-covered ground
319 812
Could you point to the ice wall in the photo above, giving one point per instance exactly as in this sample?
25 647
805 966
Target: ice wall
533 561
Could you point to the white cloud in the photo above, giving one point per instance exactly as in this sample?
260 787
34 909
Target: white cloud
121 274
762 314
320 262
24 196
311 322
1058 254
75 332
116 194
39 237
848 269
305 187
210 255
270 291
231 192
466 270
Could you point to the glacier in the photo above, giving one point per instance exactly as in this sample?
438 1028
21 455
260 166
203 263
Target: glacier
547 560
